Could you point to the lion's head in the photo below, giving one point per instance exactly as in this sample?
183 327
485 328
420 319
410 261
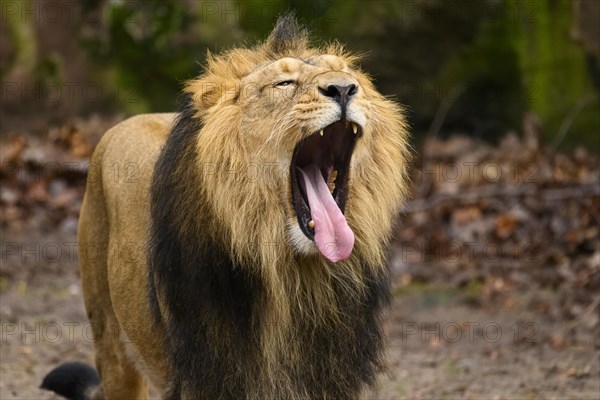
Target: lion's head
300 149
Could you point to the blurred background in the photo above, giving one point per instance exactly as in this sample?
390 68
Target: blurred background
496 258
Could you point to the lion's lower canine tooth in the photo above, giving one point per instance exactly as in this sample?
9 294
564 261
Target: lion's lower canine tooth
321 132
311 223
354 128
331 180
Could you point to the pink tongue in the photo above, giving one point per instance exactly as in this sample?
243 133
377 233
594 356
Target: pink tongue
333 236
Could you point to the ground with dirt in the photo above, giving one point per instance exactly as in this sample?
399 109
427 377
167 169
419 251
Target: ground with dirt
442 342
495 264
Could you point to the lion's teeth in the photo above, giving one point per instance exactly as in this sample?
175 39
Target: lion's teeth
331 180
311 223
354 128
321 132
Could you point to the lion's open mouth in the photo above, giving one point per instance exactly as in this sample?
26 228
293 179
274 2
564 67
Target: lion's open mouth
319 177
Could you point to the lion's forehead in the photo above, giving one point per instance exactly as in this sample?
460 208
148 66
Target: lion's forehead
302 67
327 61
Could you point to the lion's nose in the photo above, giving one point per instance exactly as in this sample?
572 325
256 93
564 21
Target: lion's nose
341 94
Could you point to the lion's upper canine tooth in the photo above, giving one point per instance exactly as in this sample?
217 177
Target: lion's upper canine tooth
311 223
354 128
321 132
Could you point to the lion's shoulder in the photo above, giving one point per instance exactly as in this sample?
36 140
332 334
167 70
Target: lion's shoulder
133 140
143 127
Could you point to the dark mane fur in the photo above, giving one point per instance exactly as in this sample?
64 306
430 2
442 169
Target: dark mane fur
195 278
287 36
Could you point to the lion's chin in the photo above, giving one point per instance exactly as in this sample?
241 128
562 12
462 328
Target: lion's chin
319 174
300 243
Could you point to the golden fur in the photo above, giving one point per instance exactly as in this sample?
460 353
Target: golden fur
242 157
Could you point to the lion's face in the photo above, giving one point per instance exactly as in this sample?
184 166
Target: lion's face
313 112
320 140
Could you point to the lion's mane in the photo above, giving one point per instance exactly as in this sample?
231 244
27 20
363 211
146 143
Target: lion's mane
245 316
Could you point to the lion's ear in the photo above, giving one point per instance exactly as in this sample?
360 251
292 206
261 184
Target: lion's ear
209 91
288 37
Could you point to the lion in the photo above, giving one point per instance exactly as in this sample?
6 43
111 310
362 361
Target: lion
244 255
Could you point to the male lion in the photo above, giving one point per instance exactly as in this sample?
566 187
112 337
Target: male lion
245 258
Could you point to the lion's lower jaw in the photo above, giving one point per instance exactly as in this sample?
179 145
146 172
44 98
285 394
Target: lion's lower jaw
300 243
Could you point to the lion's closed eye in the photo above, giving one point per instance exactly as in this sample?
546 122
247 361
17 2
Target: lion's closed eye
288 82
